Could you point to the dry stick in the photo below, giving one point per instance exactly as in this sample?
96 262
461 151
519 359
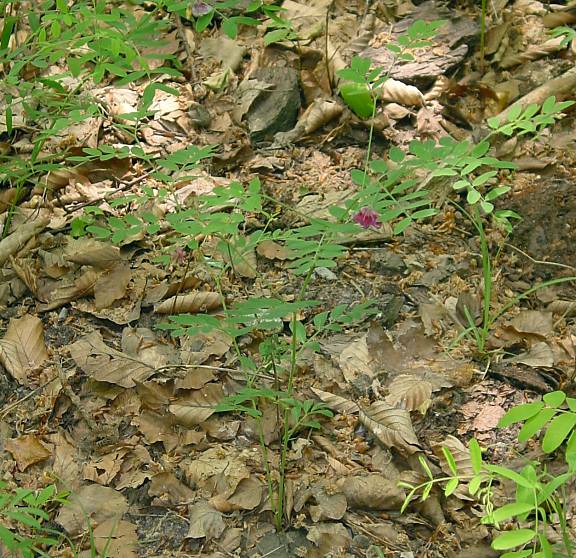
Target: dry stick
540 262
189 53
560 86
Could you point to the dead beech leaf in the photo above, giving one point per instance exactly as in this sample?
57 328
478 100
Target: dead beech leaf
533 322
337 403
196 301
111 286
22 350
372 492
410 392
66 291
355 360
205 521
539 355
392 426
247 496
274 251
91 503
15 241
87 251
105 364
116 538
398 92
27 450
194 408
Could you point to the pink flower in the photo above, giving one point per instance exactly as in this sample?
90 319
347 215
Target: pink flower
367 218
200 9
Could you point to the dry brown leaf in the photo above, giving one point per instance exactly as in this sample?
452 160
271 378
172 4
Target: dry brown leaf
112 285
116 538
105 364
197 301
27 450
195 407
410 392
22 350
205 521
91 503
392 426
372 492
398 92
274 251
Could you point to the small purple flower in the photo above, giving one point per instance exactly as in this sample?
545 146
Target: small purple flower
200 9
367 218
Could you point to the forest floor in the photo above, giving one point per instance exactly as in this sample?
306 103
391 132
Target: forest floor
95 398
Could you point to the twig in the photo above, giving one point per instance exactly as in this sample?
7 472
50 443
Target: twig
540 262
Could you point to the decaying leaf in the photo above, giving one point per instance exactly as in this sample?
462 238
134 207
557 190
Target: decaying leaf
94 502
105 364
372 492
392 426
195 407
205 521
196 301
410 392
398 92
27 450
22 350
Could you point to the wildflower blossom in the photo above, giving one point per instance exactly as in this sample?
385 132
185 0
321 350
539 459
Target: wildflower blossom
367 218
200 9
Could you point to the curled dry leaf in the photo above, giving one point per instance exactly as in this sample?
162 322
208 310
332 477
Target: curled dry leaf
398 92
567 308
14 242
372 492
197 301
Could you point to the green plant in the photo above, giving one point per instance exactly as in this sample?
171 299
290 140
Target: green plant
204 13
541 498
23 514
400 190
85 43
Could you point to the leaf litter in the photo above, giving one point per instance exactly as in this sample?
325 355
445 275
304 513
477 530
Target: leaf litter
98 400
